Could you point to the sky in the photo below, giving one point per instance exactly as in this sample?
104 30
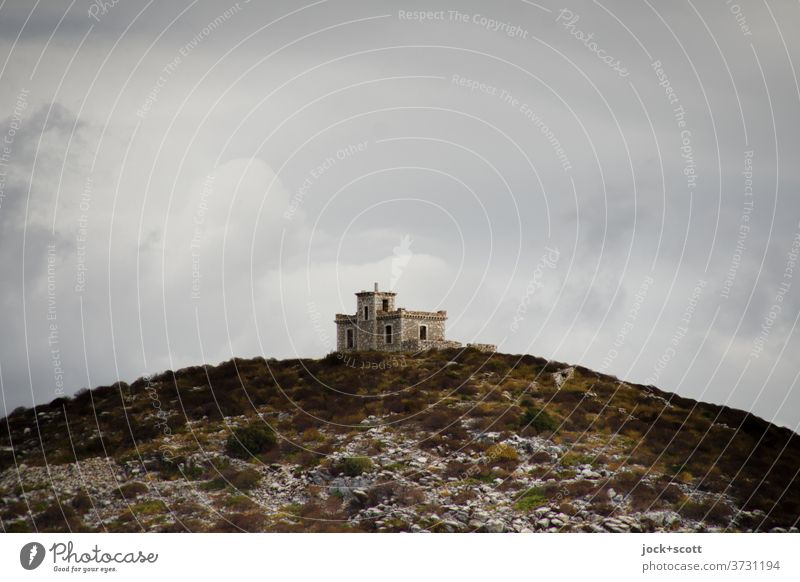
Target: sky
610 184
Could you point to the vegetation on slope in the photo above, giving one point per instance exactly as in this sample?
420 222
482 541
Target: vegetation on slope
243 433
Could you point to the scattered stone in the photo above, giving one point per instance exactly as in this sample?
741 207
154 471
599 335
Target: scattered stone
421 492
562 376
495 526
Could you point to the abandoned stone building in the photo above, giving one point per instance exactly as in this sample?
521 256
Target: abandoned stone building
379 325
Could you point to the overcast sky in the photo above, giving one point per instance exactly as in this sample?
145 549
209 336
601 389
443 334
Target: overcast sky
613 184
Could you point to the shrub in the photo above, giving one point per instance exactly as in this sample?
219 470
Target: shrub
354 466
602 507
19 527
58 518
464 496
625 480
710 511
168 467
152 507
502 453
213 485
643 497
250 440
239 503
332 359
538 420
531 499
245 479
541 457
193 471
575 459
582 488
671 494
457 469
14 509
237 522
439 419
131 490
313 434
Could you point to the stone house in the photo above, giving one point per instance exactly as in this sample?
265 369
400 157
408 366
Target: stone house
379 325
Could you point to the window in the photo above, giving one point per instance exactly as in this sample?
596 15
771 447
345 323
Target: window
386 305
423 332
388 334
350 342
366 312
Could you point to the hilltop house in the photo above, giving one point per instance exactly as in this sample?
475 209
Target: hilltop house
379 325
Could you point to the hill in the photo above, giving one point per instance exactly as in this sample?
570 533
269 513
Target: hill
445 440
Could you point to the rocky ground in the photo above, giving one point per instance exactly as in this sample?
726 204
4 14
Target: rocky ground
383 474
404 489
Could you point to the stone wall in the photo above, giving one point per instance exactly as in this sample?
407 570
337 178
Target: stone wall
397 324
412 322
369 332
421 345
483 347
342 324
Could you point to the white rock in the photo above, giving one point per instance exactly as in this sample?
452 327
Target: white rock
495 526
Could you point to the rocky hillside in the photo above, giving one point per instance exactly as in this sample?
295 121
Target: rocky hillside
445 441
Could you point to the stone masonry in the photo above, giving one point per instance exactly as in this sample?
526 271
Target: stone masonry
379 325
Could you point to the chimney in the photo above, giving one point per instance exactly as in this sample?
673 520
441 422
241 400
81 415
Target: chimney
376 287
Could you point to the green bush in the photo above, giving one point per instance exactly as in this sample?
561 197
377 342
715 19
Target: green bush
354 466
531 499
575 459
538 420
152 507
250 440
711 511
213 485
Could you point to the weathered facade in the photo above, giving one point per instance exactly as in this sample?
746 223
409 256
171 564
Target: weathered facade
379 325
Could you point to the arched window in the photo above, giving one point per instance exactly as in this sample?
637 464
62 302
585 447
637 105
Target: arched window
366 312
423 332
